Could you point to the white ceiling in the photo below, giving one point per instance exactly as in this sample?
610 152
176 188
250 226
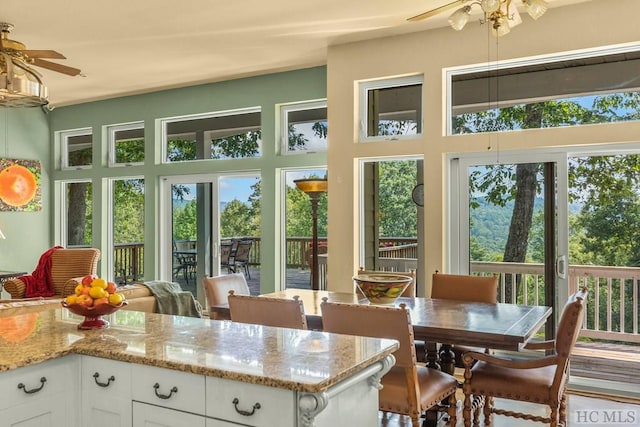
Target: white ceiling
136 46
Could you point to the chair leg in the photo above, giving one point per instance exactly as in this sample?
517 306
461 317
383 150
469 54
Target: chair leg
466 410
563 409
488 405
452 410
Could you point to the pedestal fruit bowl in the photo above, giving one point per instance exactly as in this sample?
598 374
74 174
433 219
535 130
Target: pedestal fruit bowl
382 288
94 298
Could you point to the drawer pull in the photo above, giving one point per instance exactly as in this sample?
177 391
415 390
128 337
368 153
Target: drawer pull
156 386
33 390
107 384
243 412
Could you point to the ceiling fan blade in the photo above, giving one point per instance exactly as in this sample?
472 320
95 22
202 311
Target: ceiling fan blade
51 54
437 10
55 67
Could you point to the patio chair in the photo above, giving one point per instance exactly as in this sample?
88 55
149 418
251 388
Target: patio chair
408 388
541 381
217 290
278 312
240 259
184 262
226 248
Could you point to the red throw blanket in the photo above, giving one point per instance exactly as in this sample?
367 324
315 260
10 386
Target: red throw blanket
39 284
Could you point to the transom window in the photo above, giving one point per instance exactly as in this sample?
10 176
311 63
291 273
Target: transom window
391 109
219 135
569 90
77 148
126 144
304 127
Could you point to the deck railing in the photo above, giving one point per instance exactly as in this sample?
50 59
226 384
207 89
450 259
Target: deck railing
613 307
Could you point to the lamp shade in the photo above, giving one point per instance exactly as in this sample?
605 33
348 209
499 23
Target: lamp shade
312 185
535 8
459 18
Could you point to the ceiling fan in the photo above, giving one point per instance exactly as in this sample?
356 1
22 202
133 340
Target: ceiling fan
18 51
20 84
502 14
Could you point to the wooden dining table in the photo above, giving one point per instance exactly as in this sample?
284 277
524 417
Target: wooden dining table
495 326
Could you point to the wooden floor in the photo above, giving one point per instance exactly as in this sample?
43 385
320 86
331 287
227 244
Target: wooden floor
581 411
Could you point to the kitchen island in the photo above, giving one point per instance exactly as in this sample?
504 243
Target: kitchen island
175 371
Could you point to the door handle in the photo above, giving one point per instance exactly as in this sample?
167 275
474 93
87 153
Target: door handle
561 266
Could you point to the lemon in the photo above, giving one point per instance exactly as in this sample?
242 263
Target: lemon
99 283
71 299
116 299
97 292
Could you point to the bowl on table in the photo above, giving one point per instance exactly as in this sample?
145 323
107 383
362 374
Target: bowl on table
93 315
382 288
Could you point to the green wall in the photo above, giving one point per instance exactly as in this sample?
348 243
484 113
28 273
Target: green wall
266 91
24 134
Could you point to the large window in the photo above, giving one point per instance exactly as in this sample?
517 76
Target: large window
77 149
390 109
220 135
126 144
303 127
77 219
127 228
565 91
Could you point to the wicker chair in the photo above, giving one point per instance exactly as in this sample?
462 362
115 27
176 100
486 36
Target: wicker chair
408 388
542 380
68 267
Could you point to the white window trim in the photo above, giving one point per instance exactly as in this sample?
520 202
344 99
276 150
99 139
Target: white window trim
64 138
111 135
163 122
285 109
365 86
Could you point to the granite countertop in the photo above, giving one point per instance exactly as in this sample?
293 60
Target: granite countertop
307 361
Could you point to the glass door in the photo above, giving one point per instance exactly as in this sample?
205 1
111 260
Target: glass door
510 218
200 213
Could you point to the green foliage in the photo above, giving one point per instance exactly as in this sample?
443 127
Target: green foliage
184 221
397 212
128 211
237 220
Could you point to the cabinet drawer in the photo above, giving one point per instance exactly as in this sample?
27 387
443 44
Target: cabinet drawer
235 401
105 378
34 382
153 416
169 388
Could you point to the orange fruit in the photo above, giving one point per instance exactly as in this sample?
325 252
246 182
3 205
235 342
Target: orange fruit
78 289
71 299
18 185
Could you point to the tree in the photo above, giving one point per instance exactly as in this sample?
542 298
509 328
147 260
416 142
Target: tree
397 213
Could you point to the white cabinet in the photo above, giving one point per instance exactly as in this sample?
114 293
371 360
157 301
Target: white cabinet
169 388
252 404
43 395
106 392
155 416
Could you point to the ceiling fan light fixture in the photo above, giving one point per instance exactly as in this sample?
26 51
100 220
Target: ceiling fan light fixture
535 8
20 86
490 6
459 18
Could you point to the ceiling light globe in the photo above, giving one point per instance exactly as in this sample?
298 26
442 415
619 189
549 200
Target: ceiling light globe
490 6
535 8
459 18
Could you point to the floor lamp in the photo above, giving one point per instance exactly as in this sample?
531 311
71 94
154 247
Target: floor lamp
314 187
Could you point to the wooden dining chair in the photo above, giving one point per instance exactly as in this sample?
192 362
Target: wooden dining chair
217 290
408 388
464 288
409 292
542 380
278 312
